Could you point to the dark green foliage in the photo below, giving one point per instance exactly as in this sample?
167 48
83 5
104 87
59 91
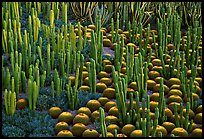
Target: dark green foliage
27 122
86 50
46 101
96 125
12 131
84 97
39 135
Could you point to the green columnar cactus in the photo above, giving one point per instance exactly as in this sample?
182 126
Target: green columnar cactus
77 59
85 37
131 64
48 60
72 96
30 93
137 102
20 60
68 60
36 72
128 118
19 34
16 78
117 54
52 60
155 122
53 40
61 64
176 116
121 100
114 76
90 77
127 63
81 69
100 53
102 122
34 95
73 48
65 35
93 47
12 85
187 115
112 31
68 86
23 76
57 82
140 74
38 8
181 115
36 28
146 41
30 27
93 69
43 77
40 43
149 57
10 102
12 62
77 78
190 127
57 86
65 13
143 108
148 123
51 18
141 36
3 43
16 57
161 99
41 59
80 37
53 89
144 129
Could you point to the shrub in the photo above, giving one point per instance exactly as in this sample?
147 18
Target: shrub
26 123
84 97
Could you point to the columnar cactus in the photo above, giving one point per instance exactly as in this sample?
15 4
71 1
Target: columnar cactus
32 93
41 58
102 122
92 75
72 96
81 69
155 122
10 102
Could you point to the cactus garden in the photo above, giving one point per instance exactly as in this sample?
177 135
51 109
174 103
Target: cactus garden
101 69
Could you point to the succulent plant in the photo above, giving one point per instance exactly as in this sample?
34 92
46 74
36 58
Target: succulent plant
28 123
84 97
12 131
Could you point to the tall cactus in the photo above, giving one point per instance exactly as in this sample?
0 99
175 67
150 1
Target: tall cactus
92 75
10 102
32 93
102 122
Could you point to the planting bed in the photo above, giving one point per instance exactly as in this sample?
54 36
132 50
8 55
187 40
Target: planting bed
98 78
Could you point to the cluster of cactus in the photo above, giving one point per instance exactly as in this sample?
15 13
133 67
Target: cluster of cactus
64 57
10 102
72 96
97 44
33 86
